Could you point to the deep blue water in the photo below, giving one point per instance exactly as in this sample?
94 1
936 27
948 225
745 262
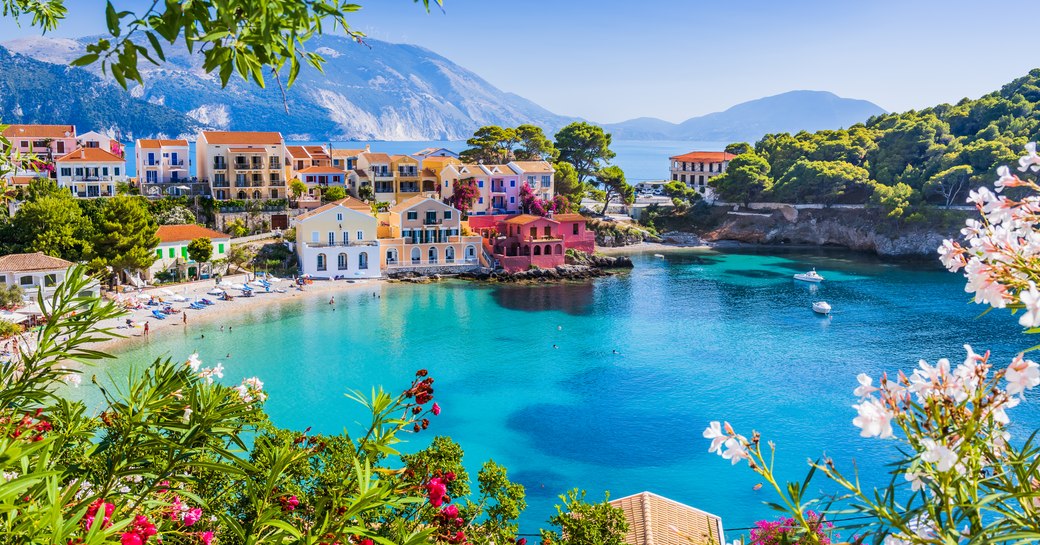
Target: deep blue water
641 160
700 336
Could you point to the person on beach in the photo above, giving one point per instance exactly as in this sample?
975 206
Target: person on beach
184 315
221 329
332 301
146 328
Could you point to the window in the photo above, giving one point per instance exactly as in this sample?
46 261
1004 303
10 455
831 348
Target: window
314 236
341 263
26 281
66 171
362 260
321 262
79 171
158 253
360 235
512 200
412 215
481 200
332 238
534 232
104 171
574 229
480 183
184 252
546 181
548 231
512 183
220 248
171 252
339 217
50 280
530 181
447 214
346 237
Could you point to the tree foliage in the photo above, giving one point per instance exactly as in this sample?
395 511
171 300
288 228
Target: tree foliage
200 250
492 144
297 188
53 224
566 182
583 523
827 182
746 177
585 146
333 193
612 180
125 235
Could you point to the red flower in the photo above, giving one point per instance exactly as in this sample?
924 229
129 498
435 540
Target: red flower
435 491
367 541
436 409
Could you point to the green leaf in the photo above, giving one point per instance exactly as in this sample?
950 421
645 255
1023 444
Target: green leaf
112 20
156 46
89 58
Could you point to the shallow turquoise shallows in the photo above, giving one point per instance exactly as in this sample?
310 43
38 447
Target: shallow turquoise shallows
699 336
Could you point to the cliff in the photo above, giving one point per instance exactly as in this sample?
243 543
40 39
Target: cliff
856 229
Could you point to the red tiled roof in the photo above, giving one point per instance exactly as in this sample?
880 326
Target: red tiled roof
149 144
187 232
704 156
534 166
243 137
428 172
38 261
569 217
377 157
40 131
656 520
22 180
308 170
90 155
524 219
297 152
347 152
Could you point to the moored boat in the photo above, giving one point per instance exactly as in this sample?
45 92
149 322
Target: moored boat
821 307
811 276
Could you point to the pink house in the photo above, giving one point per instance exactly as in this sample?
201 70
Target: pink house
520 241
575 234
46 142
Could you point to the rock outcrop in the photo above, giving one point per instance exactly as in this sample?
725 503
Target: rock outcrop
556 274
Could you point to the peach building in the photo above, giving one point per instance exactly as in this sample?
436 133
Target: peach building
423 232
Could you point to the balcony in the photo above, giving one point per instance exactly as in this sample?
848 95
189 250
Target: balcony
219 165
342 244
171 163
408 173
409 188
432 221
225 183
79 179
382 173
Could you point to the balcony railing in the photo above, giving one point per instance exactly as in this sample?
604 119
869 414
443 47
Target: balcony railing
172 163
432 221
220 165
341 244
93 179
222 184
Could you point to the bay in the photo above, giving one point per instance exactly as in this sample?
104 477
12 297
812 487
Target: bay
528 375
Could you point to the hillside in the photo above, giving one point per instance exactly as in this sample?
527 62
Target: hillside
382 92
788 112
32 91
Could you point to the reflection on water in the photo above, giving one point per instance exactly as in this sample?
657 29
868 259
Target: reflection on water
573 298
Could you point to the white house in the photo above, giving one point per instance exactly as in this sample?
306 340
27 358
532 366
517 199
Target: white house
338 240
33 272
91 172
172 252
162 168
94 139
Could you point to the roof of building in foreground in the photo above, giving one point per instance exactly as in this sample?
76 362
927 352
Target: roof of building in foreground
38 261
242 137
40 131
656 520
91 155
148 143
187 232
524 219
704 156
348 202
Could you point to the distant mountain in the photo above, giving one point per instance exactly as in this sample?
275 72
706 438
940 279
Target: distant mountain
32 91
382 92
788 112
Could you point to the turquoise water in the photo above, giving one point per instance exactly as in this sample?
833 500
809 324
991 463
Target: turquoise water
700 336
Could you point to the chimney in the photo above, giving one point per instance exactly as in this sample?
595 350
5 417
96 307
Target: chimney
368 148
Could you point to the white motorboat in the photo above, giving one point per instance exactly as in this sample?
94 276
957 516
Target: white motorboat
821 307
811 276
659 256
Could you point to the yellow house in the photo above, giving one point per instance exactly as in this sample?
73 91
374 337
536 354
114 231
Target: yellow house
425 233
406 174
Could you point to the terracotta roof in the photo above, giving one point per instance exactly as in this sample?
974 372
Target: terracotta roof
187 232
656 520
441 160
429 172
347 202
524 219
347 152
296 151
91 155
308 170
412 201
243 137
533 166
248 150
377 157
149 144
22 180
569 217
40 131
38 261
704 156
315 150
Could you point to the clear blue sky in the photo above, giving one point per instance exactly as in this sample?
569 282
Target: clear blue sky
612 60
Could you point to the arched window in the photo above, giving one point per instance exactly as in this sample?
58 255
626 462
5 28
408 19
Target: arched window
241 195
559 249
537 250
471 252
548 249
341 263
449 254
391 256
433 254
416 256
256 193
321 262
362 260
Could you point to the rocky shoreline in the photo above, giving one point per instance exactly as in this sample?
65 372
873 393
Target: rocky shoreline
583 268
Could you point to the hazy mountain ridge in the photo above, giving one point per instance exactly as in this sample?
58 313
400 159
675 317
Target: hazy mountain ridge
787 112
385 92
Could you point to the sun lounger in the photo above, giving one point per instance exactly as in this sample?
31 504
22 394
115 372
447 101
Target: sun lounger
158 315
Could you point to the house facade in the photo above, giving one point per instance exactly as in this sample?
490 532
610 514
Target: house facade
696 168
45 142
374 168
503 189
424 233
90 172
35 272
407 181
656 520
575 233
522 241
172 252
162 168
242 165
338 240
539 175
94 139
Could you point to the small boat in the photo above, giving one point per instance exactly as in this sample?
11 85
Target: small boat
821 307
659 255
811 276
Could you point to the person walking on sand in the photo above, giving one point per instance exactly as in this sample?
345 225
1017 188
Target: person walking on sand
184 316
146 329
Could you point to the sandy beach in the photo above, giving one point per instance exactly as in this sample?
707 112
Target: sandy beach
219 310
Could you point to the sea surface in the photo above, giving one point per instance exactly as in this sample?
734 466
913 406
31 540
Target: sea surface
608 385
642 160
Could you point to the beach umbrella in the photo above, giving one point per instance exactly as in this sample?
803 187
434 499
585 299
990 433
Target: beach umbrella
225 284
167 292
34 308
144 296
13 317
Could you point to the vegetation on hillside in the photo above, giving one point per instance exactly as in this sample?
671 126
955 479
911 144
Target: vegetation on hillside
899 161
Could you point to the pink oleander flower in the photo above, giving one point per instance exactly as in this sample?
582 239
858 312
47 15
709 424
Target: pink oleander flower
206 537
436 409
435 491
1022 375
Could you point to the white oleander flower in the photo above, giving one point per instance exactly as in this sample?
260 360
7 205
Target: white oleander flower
939 454
194 362
1030 160
187 415
874 419
1005 179
1030 298
865 387
1022 375
734 450
714 433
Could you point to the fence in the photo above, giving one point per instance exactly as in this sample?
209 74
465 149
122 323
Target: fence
252 238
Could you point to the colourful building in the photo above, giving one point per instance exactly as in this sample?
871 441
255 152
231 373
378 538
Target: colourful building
519 242
696 168
91 172
242 165
425 233
162 168
172 252
539 175
45 142
338 240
